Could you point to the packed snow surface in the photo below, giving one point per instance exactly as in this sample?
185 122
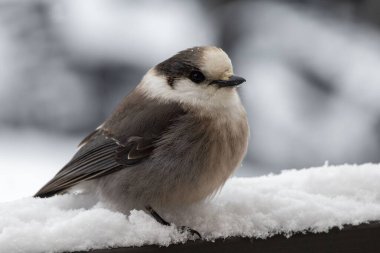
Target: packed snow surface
314 199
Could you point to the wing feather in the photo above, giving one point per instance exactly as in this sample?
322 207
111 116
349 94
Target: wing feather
99 156
125 139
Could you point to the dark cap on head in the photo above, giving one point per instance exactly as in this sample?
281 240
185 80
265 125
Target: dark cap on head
197 64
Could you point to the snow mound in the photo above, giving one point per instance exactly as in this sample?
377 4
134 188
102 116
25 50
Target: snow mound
314 199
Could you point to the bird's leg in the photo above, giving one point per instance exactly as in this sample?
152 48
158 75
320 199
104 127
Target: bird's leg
156 216
159 219
193 232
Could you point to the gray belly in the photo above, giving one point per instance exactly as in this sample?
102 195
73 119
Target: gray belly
184 168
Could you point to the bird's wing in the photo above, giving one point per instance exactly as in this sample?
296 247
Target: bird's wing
100 155
127 138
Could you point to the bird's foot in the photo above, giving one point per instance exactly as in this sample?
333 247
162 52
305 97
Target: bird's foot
181 229
192 232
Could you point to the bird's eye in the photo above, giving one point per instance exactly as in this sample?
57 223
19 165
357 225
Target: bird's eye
197 76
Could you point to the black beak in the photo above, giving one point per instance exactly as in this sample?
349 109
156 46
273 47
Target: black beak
231 82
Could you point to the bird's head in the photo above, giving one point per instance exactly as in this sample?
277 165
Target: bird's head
197 76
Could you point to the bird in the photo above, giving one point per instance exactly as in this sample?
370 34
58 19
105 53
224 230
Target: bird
171 142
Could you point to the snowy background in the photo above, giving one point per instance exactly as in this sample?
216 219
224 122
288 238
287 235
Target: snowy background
312 70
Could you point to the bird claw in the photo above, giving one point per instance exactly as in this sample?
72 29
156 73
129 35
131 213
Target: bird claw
183 229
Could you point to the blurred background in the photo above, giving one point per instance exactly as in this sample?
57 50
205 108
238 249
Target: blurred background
312 70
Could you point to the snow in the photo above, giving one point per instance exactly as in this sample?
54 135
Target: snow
314 199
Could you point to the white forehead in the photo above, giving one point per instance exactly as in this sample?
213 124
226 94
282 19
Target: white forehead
216 63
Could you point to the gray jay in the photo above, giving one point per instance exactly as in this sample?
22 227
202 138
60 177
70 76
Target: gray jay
173 141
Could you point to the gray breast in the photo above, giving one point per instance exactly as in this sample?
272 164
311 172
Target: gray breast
195 158
191 160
